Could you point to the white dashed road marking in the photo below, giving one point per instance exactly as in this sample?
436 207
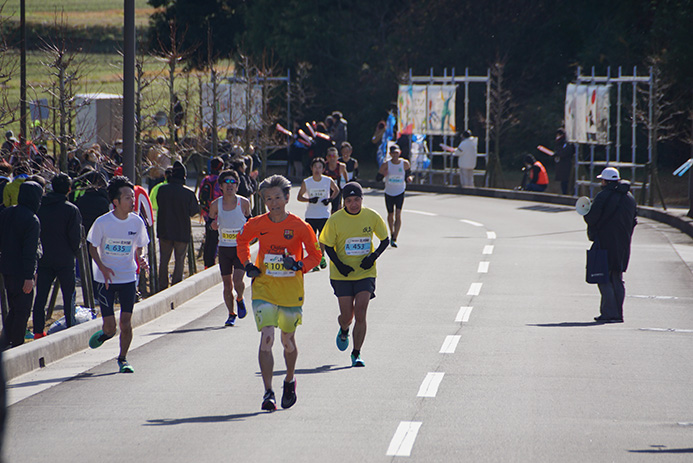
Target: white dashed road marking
429 387
488 249
430 214
472 223
450 344
463 314
483 267
491 235
403 440
474 289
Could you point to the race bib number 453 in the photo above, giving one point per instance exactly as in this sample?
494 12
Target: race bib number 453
357 246
117 248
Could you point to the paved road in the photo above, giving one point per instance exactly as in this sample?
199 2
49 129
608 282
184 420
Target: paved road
480 347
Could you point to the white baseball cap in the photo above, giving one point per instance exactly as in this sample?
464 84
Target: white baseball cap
609 173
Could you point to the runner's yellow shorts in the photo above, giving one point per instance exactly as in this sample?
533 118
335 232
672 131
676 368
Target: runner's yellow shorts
284 318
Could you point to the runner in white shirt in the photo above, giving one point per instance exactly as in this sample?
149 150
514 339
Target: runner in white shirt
397 173
116 240
229 213
318 191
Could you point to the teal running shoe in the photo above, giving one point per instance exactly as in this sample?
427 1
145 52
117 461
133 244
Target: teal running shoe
342 340
95 340
357 361
323 262
125 367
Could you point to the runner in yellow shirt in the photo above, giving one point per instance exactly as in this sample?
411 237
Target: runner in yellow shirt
348 240
277 275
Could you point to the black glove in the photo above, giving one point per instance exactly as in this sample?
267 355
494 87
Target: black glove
291 264
368 261
252 271
314 200
343 268
326 201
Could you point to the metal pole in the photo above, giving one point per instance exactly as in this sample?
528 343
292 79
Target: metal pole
618 116
488 122
22 74
129 47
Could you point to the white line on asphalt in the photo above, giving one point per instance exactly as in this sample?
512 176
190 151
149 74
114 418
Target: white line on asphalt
450 344
403 440
471 222
488 249
672 330
463 314
420 212
652 297
491 235
483 267
474 289
429 387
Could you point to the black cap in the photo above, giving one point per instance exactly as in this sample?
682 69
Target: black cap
352 189
395 147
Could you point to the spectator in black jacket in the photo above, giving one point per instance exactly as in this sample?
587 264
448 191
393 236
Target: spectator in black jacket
61 236
19 240
177 204
93 203
610 222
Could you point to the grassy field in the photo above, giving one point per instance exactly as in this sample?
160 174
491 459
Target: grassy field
78 12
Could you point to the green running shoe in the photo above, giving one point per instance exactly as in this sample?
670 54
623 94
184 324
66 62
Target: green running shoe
357 361
323 262
125 367
95 340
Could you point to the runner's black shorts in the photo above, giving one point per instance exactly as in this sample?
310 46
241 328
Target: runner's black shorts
392 202
353 287
228 260
126 294
317 224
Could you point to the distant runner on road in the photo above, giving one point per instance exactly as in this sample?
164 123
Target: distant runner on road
278 280
397 173
348 240
228 214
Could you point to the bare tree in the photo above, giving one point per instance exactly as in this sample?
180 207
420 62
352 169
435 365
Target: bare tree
171 54
502 119
8 69
659 116
302 95
66 66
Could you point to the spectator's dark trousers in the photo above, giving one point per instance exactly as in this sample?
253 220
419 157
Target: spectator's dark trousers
166 248
613 293
44 281
20 309
211 243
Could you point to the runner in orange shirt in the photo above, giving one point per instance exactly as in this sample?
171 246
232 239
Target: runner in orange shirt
277 285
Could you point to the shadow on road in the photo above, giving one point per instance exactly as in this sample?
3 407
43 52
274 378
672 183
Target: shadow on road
567 324
543 208
661 449
60 380
202 419
189 330
310 371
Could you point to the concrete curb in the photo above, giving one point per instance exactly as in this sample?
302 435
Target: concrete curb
39 353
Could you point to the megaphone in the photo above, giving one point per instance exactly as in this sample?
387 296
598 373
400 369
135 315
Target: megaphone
583 205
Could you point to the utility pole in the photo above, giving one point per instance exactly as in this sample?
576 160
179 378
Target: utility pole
129 90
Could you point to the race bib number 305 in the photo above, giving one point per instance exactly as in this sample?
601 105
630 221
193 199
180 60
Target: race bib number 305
274 266
117 248
228 237
357 246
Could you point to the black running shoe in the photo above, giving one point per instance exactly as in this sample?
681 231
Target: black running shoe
289 395
269 403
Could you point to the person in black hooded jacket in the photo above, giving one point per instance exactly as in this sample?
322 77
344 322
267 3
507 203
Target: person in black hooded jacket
19 243
177 204
61 236
610 223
